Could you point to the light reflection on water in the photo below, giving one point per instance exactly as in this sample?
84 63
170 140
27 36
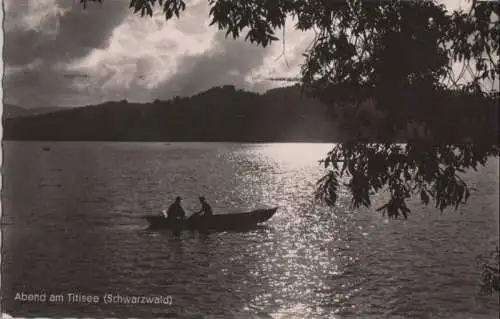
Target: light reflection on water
309 261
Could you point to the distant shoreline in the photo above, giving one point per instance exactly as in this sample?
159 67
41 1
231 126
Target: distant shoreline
182 141
212 141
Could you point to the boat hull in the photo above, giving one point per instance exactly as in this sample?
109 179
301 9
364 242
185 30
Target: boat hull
214 222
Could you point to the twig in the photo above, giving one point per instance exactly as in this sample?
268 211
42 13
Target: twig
283 53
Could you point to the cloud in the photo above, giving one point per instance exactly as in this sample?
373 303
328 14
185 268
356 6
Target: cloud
148 58
242 64
143 52
42 36
58 54
36 87
285 59
58 31
456 4
228 61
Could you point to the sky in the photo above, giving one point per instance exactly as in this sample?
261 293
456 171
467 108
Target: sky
57 54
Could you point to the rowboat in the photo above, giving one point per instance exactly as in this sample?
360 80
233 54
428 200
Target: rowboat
214 222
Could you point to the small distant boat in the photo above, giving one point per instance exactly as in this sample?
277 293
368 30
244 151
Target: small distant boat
215 222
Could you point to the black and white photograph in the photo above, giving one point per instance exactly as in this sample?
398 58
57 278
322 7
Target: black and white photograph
274 159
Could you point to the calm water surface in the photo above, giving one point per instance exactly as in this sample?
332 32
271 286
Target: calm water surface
71 223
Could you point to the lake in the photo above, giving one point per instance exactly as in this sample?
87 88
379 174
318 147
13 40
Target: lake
72 224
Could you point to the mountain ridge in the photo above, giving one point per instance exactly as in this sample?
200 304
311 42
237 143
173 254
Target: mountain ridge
225 113
12 110
218 114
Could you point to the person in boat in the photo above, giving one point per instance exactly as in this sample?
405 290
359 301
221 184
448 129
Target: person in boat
205 208
175 211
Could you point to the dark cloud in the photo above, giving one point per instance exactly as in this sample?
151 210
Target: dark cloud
15 10
36 87
229 61
78 32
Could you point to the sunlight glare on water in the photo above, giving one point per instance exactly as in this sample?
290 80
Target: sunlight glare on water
293 155
84 201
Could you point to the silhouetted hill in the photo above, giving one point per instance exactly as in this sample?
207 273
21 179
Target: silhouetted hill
227 114
10 110
219 114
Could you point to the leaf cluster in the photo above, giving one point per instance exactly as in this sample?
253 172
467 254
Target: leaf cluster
145 7
432 172
490 276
